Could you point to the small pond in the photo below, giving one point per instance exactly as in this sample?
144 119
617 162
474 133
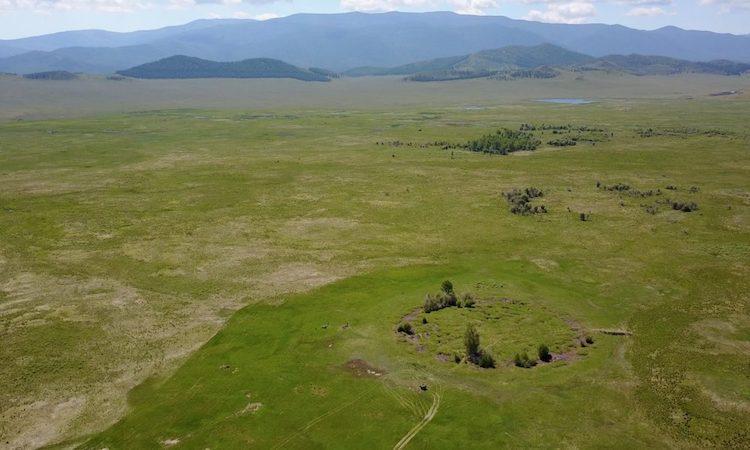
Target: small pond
566 101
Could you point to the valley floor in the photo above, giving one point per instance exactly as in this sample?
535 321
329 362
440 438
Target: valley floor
233 276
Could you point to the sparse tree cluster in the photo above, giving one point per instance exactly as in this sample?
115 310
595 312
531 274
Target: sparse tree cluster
504 141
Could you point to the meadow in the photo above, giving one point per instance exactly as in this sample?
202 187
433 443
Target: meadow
232 275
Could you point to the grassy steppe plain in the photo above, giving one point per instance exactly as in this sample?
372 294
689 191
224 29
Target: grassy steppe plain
128 240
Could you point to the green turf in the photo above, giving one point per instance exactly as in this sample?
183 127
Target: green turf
127 240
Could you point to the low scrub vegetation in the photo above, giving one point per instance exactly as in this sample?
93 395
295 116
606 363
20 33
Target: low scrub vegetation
522 360
683 206
563 142
447 298
406 328
520 201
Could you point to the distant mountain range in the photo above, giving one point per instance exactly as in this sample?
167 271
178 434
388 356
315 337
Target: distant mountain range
189 67
537 61
345 41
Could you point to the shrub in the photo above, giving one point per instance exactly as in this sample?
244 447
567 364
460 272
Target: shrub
439 301
523 360
589 340
471 340
684 206
583 217
447 287
544 354
424 320
457 358
486 361
562 142
406 328
468 300
520 201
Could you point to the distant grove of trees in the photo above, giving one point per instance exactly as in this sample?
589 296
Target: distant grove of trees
504 141
57 75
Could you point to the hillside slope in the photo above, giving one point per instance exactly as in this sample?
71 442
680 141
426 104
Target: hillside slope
188 67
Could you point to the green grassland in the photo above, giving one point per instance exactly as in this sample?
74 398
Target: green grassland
233 277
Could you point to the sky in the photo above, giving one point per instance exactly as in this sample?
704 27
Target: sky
20 18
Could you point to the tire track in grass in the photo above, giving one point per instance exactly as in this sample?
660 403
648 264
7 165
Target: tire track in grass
421 424
318 419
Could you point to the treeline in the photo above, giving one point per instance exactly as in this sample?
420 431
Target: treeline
57 75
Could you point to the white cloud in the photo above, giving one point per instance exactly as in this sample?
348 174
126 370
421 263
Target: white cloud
646 12
476 7
46 6
728 5
264 16
460 6
572 12
382 5
114 6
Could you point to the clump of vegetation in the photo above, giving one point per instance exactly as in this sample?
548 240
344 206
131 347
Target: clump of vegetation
504 141
474 352
486 361
544 353
439 301
468 301
523 360
563 142
618 187
683 206
446 298
406 328
542 72
684 131
520 201
584 217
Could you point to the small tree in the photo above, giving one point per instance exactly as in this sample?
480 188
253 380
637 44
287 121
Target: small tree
544 353
471 341
447 287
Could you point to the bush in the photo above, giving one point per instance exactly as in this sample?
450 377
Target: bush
523 360
544 354
583 217
520 201
439 301
447 287
486 361
589 340
471 341
684 206
406 328
424 320
468 300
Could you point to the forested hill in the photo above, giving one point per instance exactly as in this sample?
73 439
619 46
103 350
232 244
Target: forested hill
189 67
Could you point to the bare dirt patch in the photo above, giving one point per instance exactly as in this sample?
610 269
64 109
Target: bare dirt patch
361 369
